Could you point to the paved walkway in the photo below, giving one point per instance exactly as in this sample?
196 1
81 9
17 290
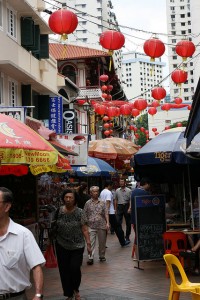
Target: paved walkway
116 279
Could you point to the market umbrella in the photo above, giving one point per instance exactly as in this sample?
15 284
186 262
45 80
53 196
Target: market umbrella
20 146
95 167
165 159
112 148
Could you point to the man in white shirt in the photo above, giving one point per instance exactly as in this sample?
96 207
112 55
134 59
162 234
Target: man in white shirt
107 196
19 254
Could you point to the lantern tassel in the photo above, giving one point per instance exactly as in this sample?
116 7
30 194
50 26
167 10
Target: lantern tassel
110 63
64 53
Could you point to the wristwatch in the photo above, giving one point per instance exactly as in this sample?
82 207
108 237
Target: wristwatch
39 296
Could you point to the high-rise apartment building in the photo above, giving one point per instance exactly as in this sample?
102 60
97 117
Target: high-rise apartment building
140 75
180 26
95 17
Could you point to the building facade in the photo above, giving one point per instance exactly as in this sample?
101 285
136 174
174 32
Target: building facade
182 23
140 75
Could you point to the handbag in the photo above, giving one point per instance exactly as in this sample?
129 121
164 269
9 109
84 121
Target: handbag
49 255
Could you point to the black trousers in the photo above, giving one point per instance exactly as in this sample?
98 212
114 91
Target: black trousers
69 264
122 211
117 227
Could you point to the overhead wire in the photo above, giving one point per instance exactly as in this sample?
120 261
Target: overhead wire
130 28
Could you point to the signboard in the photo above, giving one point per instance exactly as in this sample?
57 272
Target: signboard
56 114
77 143
69 121
150 225
18 113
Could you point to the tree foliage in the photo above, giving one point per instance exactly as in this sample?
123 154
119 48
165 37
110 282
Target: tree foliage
142 121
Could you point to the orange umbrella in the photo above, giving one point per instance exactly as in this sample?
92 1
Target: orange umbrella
112 148
21 146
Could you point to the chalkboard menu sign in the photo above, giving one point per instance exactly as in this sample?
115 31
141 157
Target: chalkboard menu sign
150 225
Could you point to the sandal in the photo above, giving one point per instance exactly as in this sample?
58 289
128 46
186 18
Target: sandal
77 295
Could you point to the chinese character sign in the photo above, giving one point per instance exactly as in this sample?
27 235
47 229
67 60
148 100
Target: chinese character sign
56 114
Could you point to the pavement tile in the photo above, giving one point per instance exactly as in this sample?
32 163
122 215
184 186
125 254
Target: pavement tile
115 279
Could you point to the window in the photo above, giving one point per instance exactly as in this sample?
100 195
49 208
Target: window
182 24
12 92
173 32
1 12
183 32
172 8
182 7
11 23
182 16
185 90
174 57
1 91
189 31
173 41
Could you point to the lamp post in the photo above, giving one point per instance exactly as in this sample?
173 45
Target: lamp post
86 108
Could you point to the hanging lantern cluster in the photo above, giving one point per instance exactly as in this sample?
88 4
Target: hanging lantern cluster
111 40
63 22
106 88
107 126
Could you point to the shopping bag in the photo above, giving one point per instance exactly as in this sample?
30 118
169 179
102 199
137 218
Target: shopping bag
49 255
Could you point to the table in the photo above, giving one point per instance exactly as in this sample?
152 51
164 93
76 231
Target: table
178 225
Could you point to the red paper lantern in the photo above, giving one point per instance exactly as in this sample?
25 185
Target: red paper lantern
106 125
135 112
107 132
167 127
179 76
103 78
154 48
106 118
63 22
81 101
112 111
158 93
125 110
140 104
155 103
101 109
109 97
109 88
131 127
178 100
154 129
136 135
152 111
185 49
142 129
111 131
104 95
189 107
156 133
104 88
112 40
111 124
179 124
166 106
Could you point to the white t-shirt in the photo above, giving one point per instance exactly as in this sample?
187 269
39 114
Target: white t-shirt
107 195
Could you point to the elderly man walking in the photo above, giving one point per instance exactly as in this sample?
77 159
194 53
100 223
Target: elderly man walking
98 223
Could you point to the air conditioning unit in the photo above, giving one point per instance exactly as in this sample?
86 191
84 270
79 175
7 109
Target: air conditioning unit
40 5
44 66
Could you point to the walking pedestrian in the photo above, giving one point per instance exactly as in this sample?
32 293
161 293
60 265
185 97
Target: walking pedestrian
107 196
123 196
71 234
98 222
19 255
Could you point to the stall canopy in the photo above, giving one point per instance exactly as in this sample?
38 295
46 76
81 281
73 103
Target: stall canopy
193 125
164 157
20 147
95 167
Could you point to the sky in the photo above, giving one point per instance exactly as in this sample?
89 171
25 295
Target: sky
147 15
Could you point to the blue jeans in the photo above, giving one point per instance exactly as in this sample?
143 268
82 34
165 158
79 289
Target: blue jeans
122 211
